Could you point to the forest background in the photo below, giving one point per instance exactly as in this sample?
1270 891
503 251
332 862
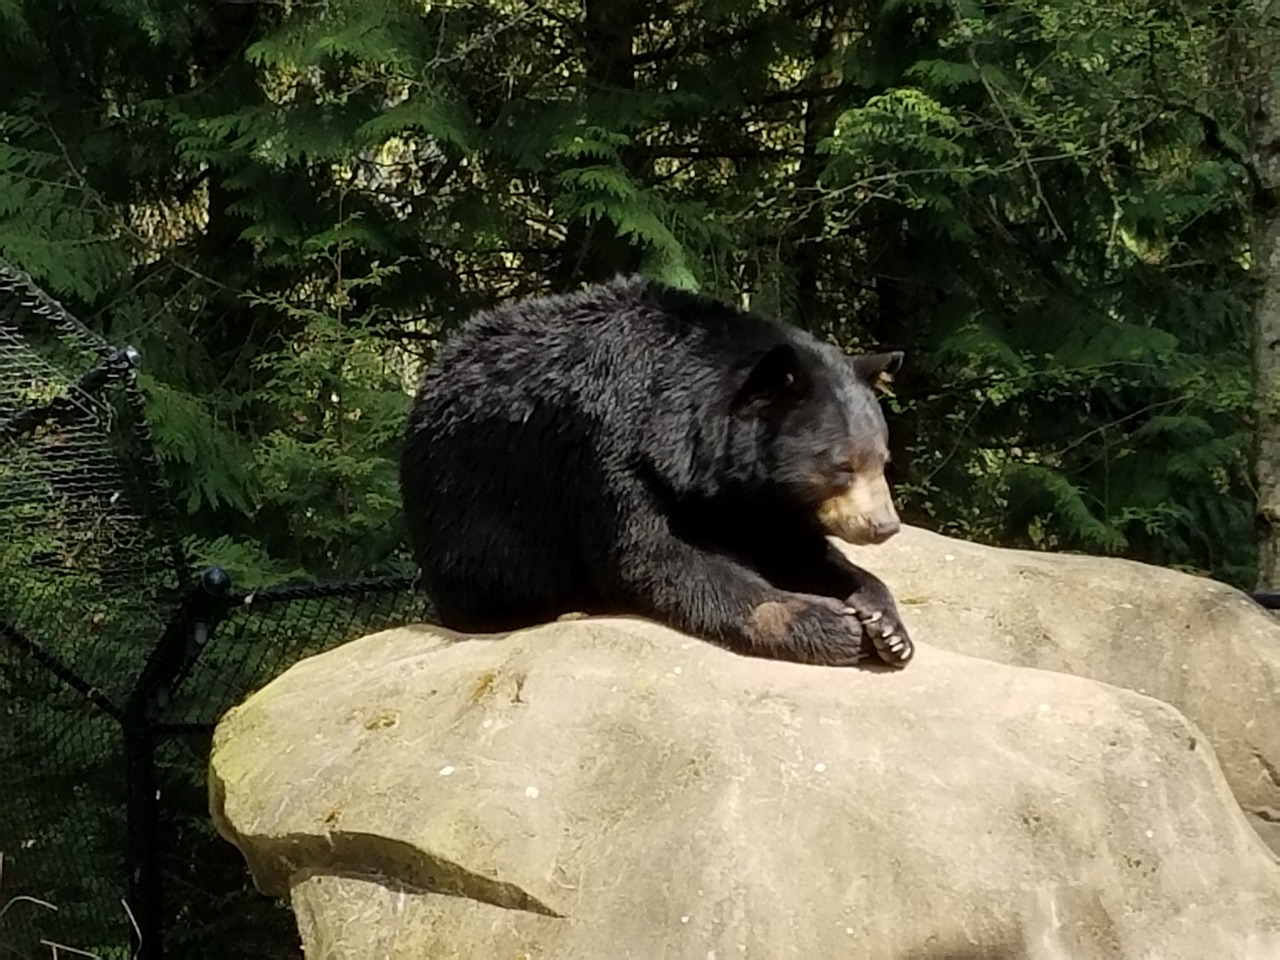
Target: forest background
1066 212
1051 205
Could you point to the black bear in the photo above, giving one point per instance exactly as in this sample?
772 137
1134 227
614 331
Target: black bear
632 448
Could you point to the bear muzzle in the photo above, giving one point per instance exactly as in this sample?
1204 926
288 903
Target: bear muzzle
862 513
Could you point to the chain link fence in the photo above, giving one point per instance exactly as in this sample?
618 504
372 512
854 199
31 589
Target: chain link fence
116 660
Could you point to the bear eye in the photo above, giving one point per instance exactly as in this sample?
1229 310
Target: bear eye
789 380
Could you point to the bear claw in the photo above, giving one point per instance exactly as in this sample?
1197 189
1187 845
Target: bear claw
898 648
888 636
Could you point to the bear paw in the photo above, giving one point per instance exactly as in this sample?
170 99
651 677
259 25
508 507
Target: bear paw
888 635
810 629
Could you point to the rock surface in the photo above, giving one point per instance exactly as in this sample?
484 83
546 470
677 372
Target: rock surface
609 788
1192 642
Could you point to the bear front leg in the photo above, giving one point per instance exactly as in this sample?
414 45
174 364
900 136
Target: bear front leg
713 597
832 574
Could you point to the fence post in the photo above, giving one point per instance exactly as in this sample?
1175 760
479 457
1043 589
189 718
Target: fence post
185 636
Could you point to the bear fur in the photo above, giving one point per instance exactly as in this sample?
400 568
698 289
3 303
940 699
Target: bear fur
636 449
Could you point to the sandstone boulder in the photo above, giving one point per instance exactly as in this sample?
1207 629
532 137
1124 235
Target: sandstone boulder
612 789
1192 642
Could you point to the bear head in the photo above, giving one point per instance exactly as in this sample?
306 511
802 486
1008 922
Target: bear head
810 425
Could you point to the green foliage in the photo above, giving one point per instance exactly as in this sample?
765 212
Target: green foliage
208 460
341 408
47 219
1041 201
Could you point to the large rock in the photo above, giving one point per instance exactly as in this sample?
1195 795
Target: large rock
1192 642
609 788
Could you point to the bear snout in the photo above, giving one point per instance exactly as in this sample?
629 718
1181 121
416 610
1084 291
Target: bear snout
882 530
862 513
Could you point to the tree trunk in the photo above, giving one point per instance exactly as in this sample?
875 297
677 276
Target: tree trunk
1266 278
594 251
821 111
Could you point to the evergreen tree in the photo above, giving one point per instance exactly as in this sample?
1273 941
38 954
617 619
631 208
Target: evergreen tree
1043 202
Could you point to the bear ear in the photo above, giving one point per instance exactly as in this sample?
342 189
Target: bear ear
877 369
778 375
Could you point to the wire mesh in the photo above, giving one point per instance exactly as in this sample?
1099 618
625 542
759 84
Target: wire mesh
107 693
85 573
86 582
61 829
268 630
262 635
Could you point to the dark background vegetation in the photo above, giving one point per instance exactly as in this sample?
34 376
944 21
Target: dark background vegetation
285 205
